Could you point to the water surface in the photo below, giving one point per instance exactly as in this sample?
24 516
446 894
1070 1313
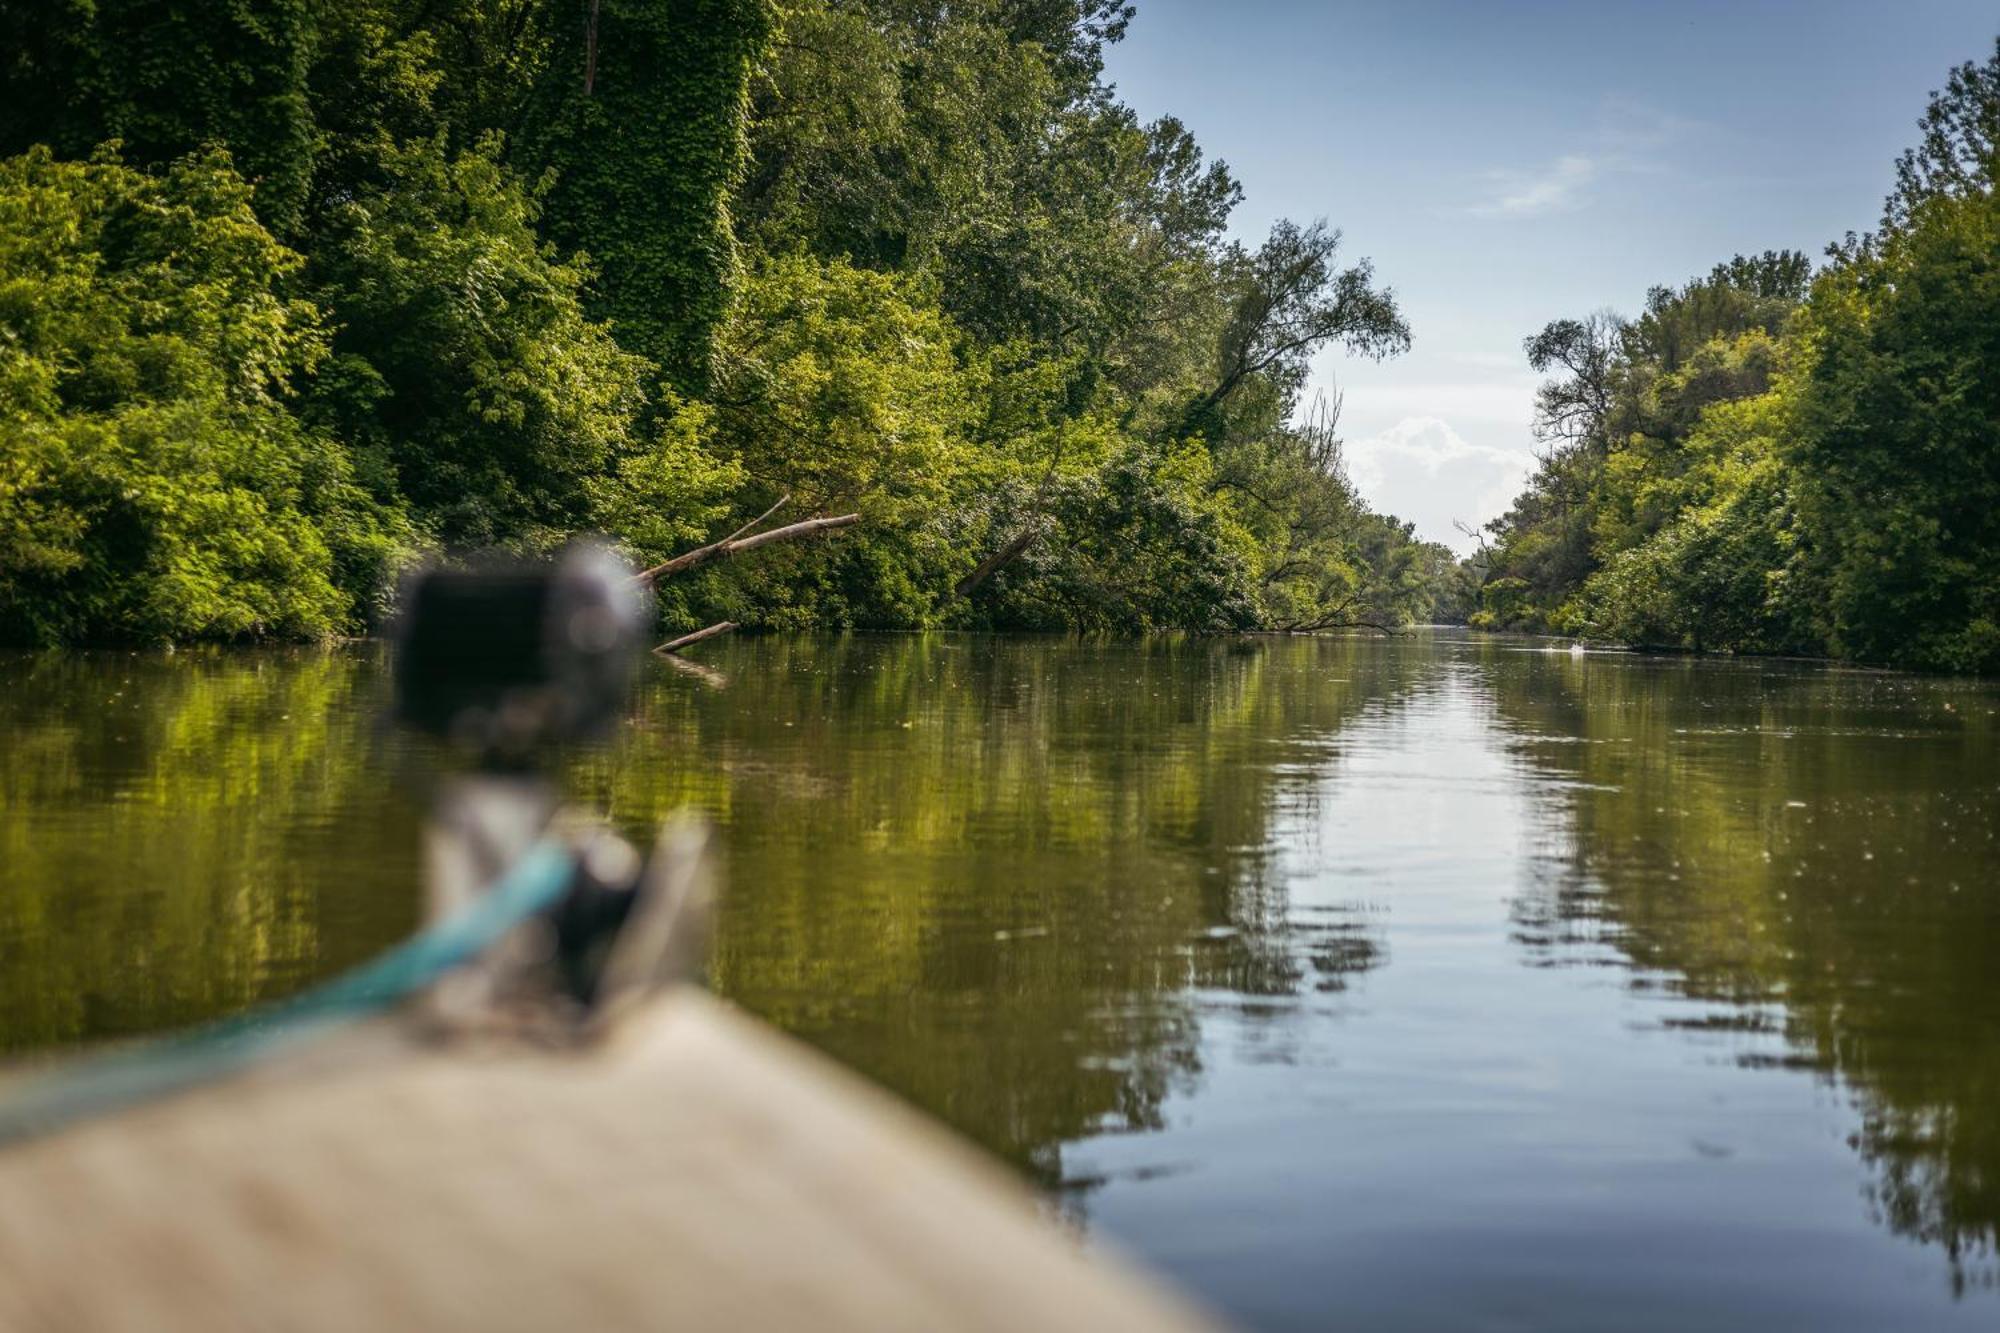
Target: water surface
1427 983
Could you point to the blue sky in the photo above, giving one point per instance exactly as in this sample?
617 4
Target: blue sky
1505 164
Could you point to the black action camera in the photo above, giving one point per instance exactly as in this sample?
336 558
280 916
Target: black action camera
507 659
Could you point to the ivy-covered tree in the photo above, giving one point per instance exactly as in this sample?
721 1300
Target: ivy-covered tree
466 373
638 115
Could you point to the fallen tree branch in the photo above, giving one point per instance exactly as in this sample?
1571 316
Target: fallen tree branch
689 640
735 543
1013 548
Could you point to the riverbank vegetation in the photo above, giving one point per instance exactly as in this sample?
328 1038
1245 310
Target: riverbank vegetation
1776 459
293 291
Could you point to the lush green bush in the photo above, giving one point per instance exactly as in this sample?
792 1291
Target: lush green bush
848 391
1140 543
1722 570
155 482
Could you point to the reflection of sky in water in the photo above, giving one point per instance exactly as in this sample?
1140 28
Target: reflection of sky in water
1475 1137
1400 984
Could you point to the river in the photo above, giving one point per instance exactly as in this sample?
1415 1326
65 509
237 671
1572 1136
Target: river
1436 982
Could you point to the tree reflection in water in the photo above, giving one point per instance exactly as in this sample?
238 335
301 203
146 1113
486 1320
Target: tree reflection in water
988 873
991 873
1812 851
183 834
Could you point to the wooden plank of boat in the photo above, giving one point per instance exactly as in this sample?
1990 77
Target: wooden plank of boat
696 1170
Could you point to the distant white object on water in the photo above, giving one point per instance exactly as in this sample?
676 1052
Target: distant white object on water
1576 650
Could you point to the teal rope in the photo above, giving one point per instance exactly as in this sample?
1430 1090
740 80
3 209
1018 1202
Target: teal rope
95 1085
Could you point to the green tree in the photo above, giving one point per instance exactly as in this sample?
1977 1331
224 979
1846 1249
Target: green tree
1722 565
1766 460
1959 153
1619 419
1898 420
846 390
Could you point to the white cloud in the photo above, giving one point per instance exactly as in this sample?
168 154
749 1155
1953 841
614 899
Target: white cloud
1555 188
1423 470
1627 139
1501 402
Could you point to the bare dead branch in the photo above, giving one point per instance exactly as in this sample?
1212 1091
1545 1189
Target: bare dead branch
662 570
1477 534
804 528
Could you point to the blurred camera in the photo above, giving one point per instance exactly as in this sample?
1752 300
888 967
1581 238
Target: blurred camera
509 658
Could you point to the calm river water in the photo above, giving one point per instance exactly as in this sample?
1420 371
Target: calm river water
1441 982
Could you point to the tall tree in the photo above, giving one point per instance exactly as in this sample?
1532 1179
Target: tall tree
1290 300
1898 438
640 116
1572 409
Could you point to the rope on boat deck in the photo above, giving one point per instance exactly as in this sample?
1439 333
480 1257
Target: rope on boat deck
95 1085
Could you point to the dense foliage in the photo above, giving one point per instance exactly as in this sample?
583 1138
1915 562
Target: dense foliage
297 288
155 479
1769 460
